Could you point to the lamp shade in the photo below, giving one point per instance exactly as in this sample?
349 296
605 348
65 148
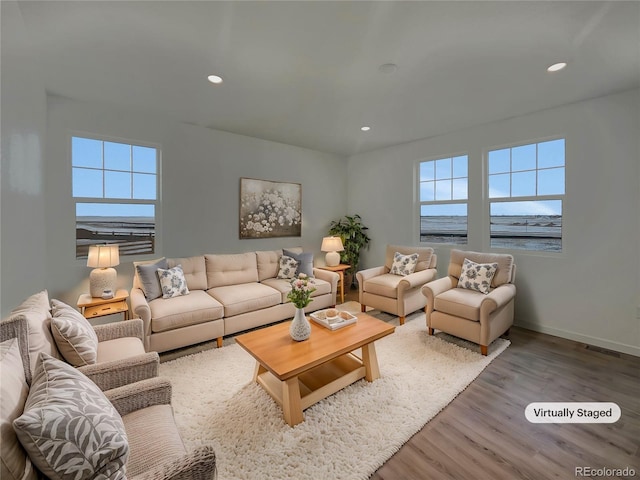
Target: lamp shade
332 244
103 256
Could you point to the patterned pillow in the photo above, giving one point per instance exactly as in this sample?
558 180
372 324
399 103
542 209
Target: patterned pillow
75 337
288 267
404 264
69 428
173 282
477 276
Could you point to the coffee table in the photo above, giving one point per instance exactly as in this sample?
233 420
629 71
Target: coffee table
300 374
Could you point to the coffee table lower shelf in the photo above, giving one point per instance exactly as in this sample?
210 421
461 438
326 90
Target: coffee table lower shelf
300 392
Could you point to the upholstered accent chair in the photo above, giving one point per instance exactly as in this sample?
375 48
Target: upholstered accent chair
469 303
395 287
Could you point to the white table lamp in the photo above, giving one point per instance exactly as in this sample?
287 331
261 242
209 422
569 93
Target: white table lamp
332 245
103 277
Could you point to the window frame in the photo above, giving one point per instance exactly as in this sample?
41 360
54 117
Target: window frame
156 203
488 200
419 203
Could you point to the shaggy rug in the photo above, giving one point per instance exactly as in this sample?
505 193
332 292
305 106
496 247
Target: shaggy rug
346 436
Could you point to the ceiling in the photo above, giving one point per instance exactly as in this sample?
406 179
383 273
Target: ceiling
307 73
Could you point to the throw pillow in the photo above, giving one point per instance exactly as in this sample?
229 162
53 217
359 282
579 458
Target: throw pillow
477 276
288 267
75 337
305 262
69 428
404 264
173 282
13 391
148 276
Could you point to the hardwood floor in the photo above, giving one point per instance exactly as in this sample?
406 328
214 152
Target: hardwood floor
483 433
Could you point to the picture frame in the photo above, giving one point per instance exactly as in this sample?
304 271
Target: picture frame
270 209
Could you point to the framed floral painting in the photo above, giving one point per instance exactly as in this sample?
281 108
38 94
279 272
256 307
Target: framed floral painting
270 209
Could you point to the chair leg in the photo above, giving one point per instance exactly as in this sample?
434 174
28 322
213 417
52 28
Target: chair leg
363 308
431 331
483 350
507 332
219 342
402 320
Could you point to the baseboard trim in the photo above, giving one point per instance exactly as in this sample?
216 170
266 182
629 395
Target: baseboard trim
577 337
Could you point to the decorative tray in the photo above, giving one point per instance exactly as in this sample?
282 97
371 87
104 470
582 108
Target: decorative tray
333 319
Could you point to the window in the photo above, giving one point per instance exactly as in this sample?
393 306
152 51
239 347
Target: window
526 193
443 192
115 189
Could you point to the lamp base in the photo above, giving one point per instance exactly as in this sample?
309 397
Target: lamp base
101 279
332 259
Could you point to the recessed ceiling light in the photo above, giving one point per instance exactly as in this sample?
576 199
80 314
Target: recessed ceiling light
556 67
365 129
215 79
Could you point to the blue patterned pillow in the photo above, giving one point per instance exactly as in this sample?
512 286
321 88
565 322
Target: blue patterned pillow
288 267
173 282
69 428
477 276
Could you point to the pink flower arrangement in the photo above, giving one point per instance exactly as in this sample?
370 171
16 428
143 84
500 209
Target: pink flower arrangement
301 289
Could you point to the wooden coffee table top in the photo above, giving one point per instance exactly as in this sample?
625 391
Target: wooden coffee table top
274 348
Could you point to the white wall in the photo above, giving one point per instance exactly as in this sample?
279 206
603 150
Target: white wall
201 170
589 292
22 202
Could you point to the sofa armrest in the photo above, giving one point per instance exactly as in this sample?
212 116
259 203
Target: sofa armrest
139 395
141 309
368 273
200 464
114 374
417 279
497 298
127 328
432 289
327 276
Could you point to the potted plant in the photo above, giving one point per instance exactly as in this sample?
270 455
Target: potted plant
354 238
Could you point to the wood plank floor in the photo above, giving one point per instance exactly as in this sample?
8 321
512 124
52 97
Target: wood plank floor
483 433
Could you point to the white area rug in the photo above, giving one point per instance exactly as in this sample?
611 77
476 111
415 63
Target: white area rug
346 436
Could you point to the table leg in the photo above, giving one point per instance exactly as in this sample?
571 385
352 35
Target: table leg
370 361
291 403
257 371
341 273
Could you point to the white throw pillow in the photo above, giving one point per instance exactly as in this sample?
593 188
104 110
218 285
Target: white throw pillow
173 282
477 276
288 267
404 264
75 337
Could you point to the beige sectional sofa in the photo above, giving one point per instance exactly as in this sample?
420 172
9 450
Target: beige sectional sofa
228 293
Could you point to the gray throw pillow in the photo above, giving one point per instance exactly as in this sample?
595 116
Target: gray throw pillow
148 276
69 428
305 262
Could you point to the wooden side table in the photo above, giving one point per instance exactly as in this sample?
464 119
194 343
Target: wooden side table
339 269
94 307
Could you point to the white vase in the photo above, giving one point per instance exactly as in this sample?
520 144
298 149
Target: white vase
300 328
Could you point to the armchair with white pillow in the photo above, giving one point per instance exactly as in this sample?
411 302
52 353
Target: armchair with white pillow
475 301
395 287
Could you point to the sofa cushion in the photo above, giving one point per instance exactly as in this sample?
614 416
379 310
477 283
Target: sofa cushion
268 262
477 276
192 309
404 264
147 275
153 438
504 272
284 287
119 348
460 302
75 337
385 285
425 256
244 298
38 314
288 267
304 259
231 269
14 390
194 269
69 428
173 282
